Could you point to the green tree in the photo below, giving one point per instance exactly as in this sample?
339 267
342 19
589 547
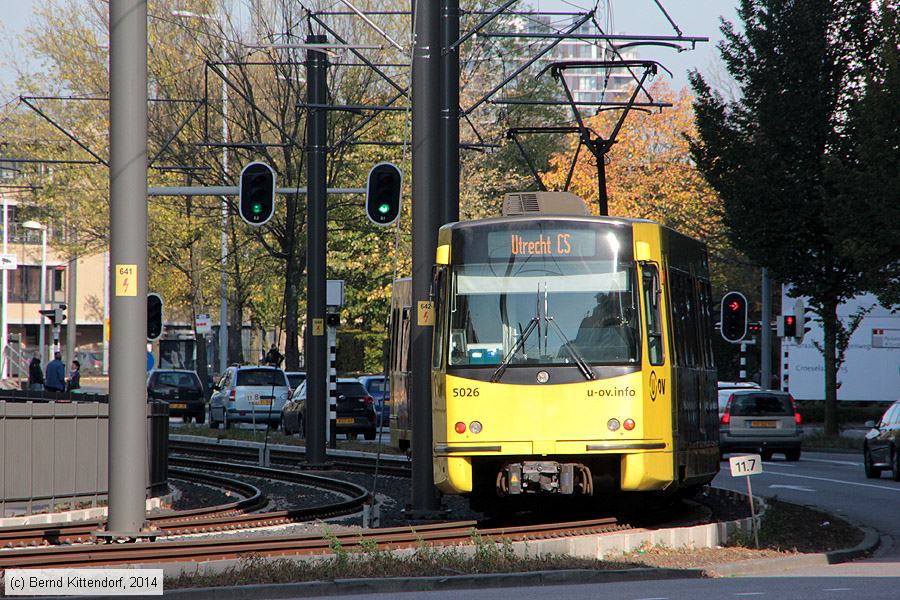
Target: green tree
780 155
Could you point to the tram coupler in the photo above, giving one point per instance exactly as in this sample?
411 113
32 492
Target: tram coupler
530 477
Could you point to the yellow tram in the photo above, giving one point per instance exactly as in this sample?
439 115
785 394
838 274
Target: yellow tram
572 356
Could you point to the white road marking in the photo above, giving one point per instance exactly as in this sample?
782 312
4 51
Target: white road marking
660 598
838 590
798 488
833 462
870 485
750 594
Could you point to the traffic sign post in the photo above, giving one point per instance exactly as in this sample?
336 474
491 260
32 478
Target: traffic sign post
744 466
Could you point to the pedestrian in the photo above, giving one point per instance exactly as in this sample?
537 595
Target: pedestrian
56 374
35 374
74 382
274 357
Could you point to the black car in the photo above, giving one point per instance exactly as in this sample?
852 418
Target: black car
881 449
181 390
355 410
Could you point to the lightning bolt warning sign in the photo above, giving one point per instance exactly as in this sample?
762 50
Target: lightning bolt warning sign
126 280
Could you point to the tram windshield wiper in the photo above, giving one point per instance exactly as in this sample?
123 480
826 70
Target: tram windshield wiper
520 343
568 345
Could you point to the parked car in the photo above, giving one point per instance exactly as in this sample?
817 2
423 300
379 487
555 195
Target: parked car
182 391
763 421
295 378
727 387
881 448
355 411
91 362
380 391
248 394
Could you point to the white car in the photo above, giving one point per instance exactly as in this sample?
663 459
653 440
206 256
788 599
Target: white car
248 395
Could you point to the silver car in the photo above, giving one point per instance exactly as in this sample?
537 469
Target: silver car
248 395
762 421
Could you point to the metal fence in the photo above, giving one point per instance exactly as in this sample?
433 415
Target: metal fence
53 454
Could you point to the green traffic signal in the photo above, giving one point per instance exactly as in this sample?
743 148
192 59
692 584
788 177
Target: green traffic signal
384 208
256 208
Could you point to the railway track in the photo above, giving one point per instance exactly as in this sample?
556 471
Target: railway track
230 516
292 545
388 464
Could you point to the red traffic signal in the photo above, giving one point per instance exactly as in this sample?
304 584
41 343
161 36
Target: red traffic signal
733 317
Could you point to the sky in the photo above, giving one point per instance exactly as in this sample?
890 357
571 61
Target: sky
693 17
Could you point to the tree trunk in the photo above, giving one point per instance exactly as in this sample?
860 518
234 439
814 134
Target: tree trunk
829 326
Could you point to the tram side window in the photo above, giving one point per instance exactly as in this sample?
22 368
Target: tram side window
652 310
439 286
685 318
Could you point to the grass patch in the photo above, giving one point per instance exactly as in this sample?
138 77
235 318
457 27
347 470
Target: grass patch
368 560
790 528
820 440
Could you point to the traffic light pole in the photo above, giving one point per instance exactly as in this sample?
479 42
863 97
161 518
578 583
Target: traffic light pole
316 240
427 186
765 333
71 302
128 265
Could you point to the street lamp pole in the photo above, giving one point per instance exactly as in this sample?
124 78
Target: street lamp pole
4 341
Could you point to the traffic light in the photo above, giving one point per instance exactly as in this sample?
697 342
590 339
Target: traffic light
800 311
60 315
383 193
257 202
734 317
154 316
788 326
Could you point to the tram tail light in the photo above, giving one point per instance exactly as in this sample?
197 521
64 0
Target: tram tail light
475 426
460 427
628 424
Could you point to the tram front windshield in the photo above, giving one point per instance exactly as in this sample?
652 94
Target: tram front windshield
548 300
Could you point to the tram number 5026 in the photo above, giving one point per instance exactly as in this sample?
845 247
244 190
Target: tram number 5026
750 464
465 392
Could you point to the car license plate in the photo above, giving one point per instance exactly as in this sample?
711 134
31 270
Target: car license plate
345 421
763 424
177 405
265 402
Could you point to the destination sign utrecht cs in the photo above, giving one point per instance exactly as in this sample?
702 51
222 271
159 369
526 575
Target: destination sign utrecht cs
568 243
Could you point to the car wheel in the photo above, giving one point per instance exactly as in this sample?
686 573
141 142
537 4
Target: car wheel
301 426
793 455
872 472
370 434
200 417
895 464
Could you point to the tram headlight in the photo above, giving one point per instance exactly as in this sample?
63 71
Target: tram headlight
475 427
613 424
460 427
628 424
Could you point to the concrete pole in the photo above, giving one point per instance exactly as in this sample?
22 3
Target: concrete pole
450 110
128 262
4 340
105 312
765 333
72 306
41 336
427 186
316 244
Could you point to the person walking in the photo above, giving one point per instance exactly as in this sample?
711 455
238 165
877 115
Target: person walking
35 374
56 374
74 382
